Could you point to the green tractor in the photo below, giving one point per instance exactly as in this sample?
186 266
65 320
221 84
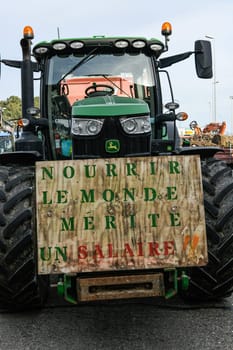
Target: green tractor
98 196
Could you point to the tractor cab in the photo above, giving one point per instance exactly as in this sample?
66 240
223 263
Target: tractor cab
100 92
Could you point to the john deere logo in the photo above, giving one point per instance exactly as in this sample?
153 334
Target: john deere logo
112 146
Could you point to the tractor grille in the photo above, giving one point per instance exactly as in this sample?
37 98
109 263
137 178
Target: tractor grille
95 147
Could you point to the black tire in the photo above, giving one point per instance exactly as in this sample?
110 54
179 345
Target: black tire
20 287
215 280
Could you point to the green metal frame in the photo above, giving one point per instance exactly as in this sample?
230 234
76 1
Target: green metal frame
183 279
63 287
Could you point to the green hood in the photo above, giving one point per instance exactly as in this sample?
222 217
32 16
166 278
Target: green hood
109 106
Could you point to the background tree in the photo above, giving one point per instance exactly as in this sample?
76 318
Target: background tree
12 107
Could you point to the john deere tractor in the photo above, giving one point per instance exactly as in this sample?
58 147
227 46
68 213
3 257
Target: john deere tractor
98 196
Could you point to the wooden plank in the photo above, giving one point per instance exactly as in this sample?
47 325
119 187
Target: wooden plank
120 213
120 287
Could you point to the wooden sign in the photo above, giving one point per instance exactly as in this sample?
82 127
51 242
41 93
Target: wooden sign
120 214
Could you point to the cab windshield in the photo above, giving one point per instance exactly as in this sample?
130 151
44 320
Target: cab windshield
128 75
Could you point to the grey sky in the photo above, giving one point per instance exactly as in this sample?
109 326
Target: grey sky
191 20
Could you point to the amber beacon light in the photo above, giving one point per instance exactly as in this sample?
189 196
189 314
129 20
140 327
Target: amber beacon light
28 32
166 29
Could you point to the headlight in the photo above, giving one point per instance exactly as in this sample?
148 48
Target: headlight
139 44
59 46
41 50
136 125
76 44
121 44
156 47
86 127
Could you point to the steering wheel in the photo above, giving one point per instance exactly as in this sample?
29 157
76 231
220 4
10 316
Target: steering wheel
99 90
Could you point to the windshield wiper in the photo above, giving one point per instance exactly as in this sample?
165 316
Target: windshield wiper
85 59
114 84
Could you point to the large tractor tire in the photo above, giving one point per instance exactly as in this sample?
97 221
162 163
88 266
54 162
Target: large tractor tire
215 280
20 287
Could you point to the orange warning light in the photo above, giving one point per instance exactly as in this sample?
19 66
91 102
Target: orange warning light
28 32
20 123
166 29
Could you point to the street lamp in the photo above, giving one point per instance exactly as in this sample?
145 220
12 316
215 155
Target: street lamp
214 76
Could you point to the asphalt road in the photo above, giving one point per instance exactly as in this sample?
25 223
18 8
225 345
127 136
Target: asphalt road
135 325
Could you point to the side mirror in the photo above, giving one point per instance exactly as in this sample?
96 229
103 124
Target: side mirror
203 59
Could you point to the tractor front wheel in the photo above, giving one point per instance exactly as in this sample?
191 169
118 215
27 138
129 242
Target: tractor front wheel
215 280
20 287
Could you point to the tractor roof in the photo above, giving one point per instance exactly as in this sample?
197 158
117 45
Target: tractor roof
99 44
